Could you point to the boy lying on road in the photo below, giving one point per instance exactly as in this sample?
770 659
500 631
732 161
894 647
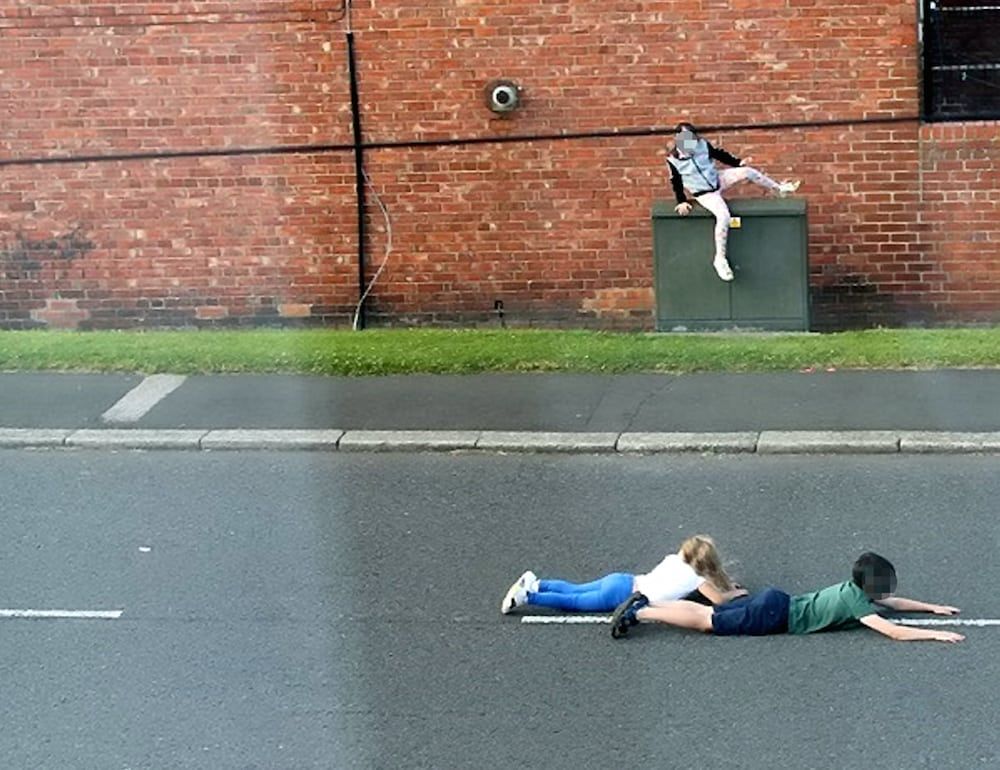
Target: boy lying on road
847 604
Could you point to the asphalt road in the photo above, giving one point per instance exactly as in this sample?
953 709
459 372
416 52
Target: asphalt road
306 610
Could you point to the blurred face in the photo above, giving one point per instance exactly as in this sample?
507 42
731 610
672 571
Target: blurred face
880 586
685 141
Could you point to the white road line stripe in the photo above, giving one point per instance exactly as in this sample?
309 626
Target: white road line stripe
572 620
143 397
63 614
949 622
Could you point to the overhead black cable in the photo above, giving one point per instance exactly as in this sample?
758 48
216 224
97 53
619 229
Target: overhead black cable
293 149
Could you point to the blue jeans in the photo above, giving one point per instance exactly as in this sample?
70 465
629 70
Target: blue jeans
601 595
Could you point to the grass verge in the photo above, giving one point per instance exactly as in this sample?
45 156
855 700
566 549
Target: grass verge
408 351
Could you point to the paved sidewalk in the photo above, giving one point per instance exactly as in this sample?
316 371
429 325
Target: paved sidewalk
773 412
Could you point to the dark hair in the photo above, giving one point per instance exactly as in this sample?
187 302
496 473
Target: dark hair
685 127
874 575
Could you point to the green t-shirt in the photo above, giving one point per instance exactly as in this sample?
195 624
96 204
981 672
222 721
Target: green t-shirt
839 606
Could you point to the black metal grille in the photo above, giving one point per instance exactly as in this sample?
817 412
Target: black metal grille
961 47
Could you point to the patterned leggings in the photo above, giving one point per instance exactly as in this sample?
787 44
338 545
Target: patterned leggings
714 202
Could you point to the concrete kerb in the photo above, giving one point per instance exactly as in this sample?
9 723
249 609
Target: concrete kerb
537 441
944 442
764 442
721 443
272 439
136 438
827 442
407 440
27 438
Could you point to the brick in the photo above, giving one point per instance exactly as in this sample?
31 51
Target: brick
294 310
211 312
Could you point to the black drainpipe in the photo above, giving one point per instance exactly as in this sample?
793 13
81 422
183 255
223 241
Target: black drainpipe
359 175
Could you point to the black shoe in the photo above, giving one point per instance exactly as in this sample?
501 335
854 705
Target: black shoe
624 614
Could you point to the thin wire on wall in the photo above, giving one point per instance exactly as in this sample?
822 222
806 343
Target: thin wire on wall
385 258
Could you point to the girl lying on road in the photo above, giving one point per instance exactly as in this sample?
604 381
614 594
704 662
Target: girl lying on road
851 603
696 567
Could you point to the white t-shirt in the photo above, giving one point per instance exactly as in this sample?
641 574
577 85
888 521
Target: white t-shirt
671 579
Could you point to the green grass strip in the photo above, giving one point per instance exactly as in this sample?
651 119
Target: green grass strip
407 351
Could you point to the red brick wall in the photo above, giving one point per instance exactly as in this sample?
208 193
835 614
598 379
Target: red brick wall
960 194
901 215
241 239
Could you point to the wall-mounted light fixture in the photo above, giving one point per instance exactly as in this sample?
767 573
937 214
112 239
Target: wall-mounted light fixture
502 95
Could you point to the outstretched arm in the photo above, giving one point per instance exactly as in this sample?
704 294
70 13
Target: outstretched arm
908 633
716 596
900 604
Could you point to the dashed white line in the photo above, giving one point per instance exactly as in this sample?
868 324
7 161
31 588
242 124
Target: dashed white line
143 397
62 614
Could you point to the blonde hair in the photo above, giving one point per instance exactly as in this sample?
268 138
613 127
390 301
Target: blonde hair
700 552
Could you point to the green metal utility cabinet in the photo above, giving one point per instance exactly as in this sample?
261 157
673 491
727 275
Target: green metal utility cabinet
768 251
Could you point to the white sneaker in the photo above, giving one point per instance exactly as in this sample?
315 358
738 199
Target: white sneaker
721 265
517 594
530 582
787 188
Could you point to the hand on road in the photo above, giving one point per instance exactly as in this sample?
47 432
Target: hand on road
947 636
944 609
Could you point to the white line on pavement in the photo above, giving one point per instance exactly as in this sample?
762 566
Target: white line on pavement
570 620
949 622
143 397
63 614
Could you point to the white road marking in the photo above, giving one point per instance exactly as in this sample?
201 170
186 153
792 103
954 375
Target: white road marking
949 622
63 614
143 397
570 620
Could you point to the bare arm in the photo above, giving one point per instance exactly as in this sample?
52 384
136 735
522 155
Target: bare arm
736 593
716 596
900 604
907 633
